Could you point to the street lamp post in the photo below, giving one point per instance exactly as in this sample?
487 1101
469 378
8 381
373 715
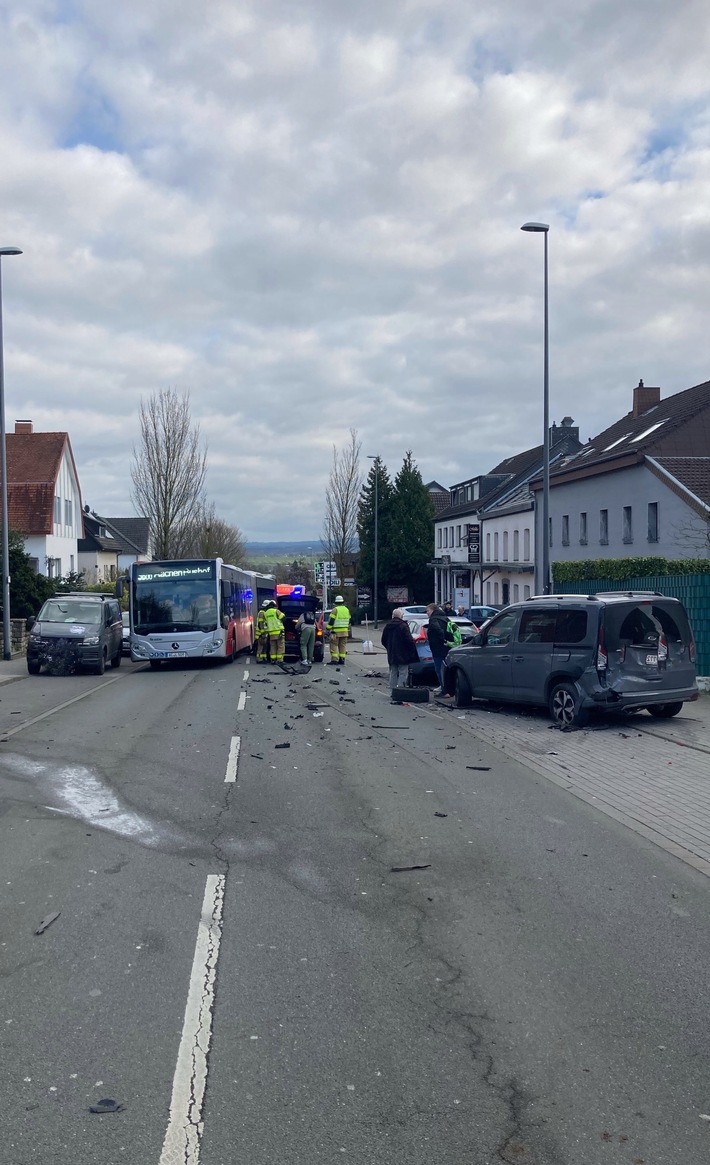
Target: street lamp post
544 229
6 640
375 457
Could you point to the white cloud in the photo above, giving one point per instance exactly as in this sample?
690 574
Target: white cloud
309 218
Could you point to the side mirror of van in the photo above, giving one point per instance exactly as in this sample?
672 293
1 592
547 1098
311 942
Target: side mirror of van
30 622
477 640
119 587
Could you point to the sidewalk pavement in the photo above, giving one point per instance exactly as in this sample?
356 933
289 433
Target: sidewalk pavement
12 669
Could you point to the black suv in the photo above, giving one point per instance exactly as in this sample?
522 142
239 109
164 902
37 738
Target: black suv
293 606
573 653
76 630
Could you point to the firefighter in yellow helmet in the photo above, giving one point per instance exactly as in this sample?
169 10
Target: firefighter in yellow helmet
338 625
262 634
275 627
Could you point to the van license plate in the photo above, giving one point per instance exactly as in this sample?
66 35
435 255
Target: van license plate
652 660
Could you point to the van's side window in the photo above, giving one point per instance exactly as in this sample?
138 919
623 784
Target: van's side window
537 627
571 627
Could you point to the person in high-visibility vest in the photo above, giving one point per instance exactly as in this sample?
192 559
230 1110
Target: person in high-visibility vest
338 625
275 625
262 634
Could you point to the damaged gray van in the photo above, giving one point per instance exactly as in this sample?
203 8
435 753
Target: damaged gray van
616 651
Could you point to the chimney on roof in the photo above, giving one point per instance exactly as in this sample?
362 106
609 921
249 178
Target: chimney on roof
644 399
566 428
23 426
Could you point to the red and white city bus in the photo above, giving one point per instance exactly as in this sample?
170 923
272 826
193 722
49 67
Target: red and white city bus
193 609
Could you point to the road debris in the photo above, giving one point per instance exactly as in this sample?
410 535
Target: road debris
441 815
479 768
406 869
288 727
282 745
107 1105
48 921
257 756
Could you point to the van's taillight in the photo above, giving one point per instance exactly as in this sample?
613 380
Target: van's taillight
602 660
691 648
662 649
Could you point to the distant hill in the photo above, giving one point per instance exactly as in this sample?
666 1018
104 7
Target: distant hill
284 551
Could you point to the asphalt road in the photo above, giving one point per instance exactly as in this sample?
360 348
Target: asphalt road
538 994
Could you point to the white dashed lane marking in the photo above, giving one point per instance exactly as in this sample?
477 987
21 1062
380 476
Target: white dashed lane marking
185 1123
242 702
246 674
232 763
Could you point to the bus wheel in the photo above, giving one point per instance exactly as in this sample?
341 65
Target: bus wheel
232 651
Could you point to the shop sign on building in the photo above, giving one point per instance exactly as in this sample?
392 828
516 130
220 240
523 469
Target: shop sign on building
474 542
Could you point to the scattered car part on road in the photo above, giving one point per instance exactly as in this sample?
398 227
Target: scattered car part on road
48 921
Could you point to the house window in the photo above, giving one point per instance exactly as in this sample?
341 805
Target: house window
71 563
505 546
451 536
34 565
488 550
488 591
653 521
438 538
526 545
565 529
57 512
516 593
628 524
446 537
582 529
526 592
495 555
67 512
496 598
516 545
603 527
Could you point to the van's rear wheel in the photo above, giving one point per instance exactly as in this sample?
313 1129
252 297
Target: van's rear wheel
462 691
564 706
665 711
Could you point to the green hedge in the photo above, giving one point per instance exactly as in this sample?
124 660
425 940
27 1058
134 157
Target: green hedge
621 569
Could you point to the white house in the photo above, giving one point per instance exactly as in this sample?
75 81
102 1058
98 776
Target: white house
44 498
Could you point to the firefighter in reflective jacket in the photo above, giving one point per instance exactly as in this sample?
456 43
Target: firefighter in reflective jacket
262 634
338 625
275 627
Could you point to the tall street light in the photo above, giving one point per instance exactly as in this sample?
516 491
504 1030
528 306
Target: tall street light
543 228
376 458
6 640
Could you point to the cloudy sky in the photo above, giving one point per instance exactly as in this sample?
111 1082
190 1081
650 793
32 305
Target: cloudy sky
308 216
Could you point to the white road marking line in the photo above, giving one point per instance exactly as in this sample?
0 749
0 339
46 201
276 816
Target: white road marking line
231 774
246 675
185 1125
59 707
242 702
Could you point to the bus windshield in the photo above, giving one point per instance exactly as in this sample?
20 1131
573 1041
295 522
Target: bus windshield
183 599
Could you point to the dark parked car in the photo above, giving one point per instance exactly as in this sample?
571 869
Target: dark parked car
293 606
479 615
617 651
79 630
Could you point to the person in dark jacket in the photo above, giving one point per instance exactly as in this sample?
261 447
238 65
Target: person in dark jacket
437 637
401 648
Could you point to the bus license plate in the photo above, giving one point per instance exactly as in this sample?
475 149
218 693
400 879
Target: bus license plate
652 660
169 654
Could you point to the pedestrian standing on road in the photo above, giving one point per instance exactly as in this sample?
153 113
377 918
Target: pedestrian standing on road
262 633
306 631
338 625
275 624
461 612
437 635
448 609
401 649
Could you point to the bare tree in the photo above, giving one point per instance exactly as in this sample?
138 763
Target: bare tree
692 536
341 505
208 536
169 468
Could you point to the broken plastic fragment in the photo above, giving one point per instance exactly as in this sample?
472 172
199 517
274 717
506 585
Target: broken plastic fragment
48 921
107 1105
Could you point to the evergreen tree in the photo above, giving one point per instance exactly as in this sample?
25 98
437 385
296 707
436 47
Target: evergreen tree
366 528
28 590
411 538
